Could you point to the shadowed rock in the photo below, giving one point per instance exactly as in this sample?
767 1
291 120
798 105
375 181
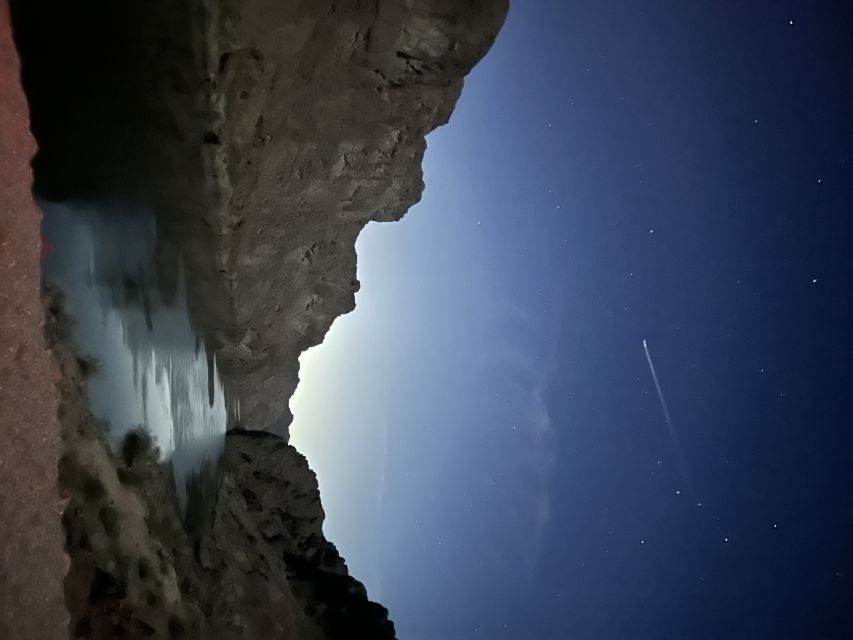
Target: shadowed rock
264 134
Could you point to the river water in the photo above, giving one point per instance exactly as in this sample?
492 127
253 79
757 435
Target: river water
151 368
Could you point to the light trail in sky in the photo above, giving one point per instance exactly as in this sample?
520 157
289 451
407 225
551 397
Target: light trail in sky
679 457
666 415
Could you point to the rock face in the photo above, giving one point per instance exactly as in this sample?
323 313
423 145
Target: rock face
270 502
324 106
32 561
261 567
265 133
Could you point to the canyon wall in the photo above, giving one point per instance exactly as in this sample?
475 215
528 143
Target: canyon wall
264 134
325 107
259 567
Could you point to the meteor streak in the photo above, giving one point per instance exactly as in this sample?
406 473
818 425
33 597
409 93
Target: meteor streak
657 387
670 427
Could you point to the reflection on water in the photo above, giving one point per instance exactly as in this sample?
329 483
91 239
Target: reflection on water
151 367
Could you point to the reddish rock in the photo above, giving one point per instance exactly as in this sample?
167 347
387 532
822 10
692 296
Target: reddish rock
32 560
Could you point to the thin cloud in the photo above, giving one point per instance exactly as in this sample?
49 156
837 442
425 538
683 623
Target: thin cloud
533 457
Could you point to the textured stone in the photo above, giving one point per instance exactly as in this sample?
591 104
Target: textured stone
324 111
140 569
32 561
258 567
265 134
269 515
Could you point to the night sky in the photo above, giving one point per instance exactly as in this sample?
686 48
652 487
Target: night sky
492 451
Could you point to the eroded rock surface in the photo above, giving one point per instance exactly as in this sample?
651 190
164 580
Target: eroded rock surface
32 561
265 134
325 107
271 503
260 568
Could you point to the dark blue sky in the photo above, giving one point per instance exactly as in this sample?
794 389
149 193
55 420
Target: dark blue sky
496 463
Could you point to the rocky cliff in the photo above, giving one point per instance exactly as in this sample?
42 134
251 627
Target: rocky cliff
260 568
325 106
265 134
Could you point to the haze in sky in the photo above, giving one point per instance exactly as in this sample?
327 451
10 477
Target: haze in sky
492 450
